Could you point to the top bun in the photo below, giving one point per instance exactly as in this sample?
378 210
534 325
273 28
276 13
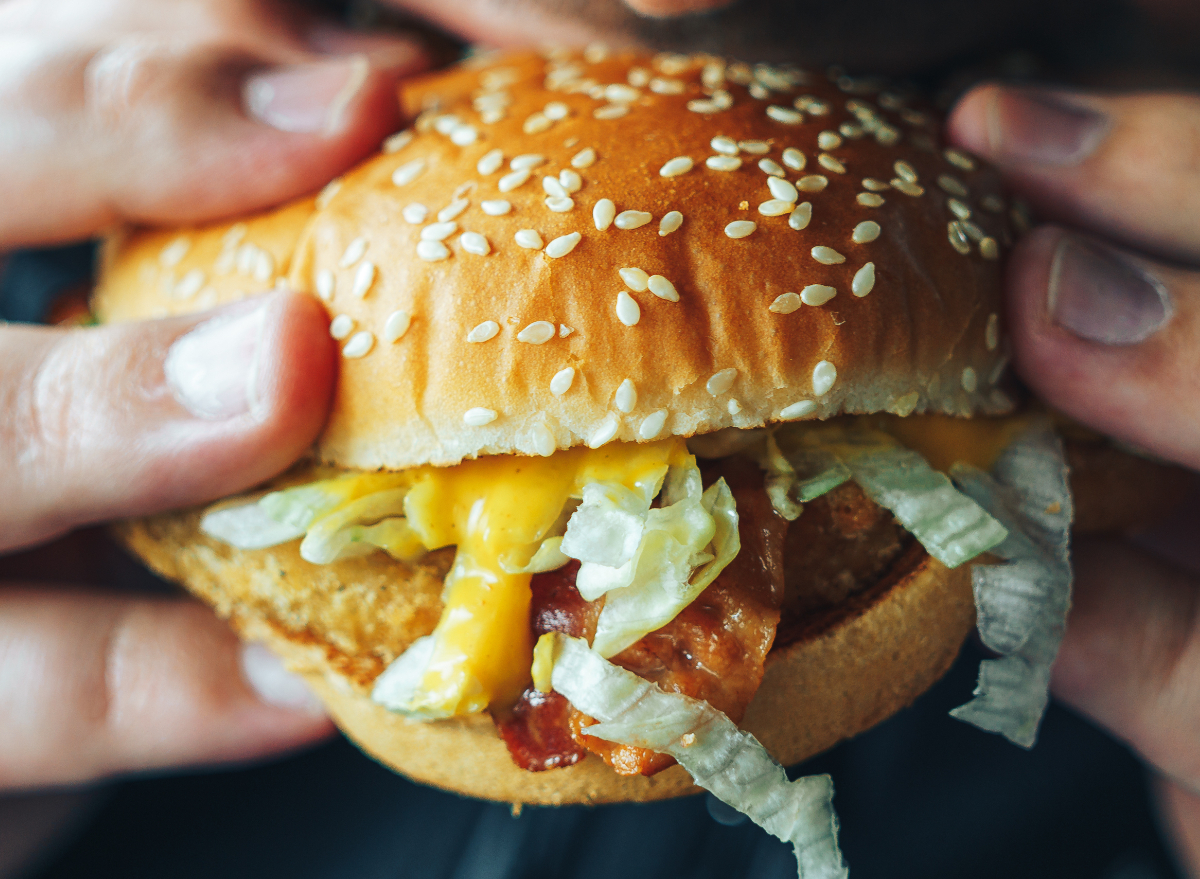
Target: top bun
477 343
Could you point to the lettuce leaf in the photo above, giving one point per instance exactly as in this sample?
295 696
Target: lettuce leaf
726 761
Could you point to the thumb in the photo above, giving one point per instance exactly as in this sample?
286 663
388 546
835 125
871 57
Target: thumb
157 130
130 419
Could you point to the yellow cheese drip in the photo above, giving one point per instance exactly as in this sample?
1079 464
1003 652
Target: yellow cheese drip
503 507
942 440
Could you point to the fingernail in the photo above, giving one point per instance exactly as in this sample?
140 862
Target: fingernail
306 98
213 370
1041 127
274 684
1100 296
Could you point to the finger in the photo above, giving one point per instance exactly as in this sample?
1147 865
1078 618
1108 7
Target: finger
672 8
132 418
1130 659
1122 165
94 685
163 131
1109 338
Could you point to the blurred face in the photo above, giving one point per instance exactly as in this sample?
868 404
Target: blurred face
888 36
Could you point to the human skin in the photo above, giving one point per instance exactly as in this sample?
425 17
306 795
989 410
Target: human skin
122 111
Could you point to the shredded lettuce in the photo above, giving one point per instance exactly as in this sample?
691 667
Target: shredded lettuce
341 534
248 527
1022 605
395 688
548 557
649 562
726 761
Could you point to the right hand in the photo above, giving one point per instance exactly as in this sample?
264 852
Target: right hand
174 112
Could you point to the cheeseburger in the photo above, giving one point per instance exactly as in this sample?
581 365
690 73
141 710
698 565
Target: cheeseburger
672 397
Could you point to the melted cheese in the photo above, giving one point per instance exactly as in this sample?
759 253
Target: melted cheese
493 508
942 440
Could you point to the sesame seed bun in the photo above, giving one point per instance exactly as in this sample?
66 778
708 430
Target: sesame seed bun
885 298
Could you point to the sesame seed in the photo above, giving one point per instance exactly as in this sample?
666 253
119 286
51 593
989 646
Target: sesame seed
781 188
396 326
562 381
619 93
653 424
397 141
626 397
776 207
528 238
611 111
595 52
553 188
526 162
628 311
959 159
703 107
264 266
490 162
989 249
905 171
993 203
666 86
543 440
850 131
493 116
676 166
723 163
325 284
327 193
904 406
817 294
432 251
785 115
801 216
998 370
483 332
869 199
632 219
638 77
887 135
606 431
479 416
721 382
991 333
247 254
556 110
969 380
464 135
189 285
817 108
662 288
798 410
670 222
831 163
341 326
874 185
563 245
829 140
908 188
364 277
564 331
537 333
585 158
958 238
496 207
474 243
452 210
865 232
794 159
952 185
754 147
446 123
724 145
536 123
771 167
864 280
759 91
560 205
234 236
359 345
173 254
824 375
635 279
604 213
785 303
740 228
827 256
511 181
439 231
959 209
812 183
408 172
570 180
415 213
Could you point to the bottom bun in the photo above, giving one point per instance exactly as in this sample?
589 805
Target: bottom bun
843 672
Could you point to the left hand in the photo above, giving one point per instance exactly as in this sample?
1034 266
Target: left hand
1104 319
